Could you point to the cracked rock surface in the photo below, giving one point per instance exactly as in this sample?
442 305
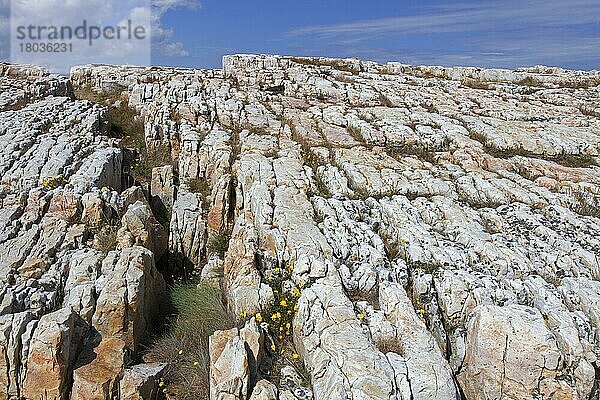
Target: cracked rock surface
441 227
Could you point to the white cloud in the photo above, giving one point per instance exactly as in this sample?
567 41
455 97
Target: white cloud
162 38
145 13
467 17
73 14
492 33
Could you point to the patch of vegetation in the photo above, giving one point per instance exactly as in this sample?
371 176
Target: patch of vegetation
54 182
202 187
476 84
585 203
339 65
199 312
530 82
385 101
573 160
356 133
422 152
564 159
147 160
427 268
105 237
278 318
197 185
218 243
586 83
126 123
279 89
589 111
390 345
478 203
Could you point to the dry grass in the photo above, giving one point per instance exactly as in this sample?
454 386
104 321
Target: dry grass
356 133
586 83
105 238
585 203
391 345
589 111
339 65
385 101
530 82
200 312
476 84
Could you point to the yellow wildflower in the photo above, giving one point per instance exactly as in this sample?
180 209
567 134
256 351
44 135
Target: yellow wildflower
273 347
180 352
283 303
161 384
361 316
243 314
296 356
259 318
196 363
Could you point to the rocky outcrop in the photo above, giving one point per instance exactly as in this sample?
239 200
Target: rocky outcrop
234 356
432 232
72 314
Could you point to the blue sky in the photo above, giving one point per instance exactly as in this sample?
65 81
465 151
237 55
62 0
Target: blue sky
490 33
506 33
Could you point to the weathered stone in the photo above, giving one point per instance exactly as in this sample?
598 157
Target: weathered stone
264 390
140 382
162 190
139 227
229 366
52 349
510 352
100 372
130 292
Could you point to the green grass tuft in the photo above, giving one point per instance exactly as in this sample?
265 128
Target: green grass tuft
199 313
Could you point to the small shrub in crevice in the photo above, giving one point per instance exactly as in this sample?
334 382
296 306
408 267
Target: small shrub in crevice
105 237
278 318
147 160
218 243
202 187
54 182
385 101
199 312
356 133
390 345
